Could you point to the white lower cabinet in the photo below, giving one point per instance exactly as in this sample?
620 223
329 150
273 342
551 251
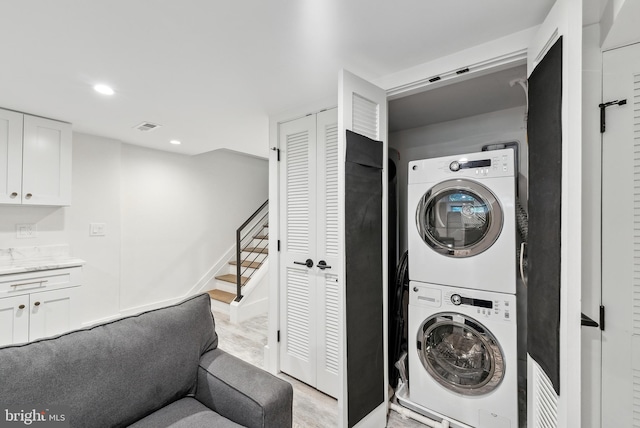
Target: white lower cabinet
52 312
38 304
14 320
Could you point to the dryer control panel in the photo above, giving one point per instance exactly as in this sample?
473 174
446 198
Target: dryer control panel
497 163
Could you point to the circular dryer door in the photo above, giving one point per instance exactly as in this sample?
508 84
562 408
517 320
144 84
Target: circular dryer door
460 354
459 218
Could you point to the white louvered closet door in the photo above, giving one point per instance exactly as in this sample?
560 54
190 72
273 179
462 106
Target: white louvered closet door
298 308
330 281
309 230
621 239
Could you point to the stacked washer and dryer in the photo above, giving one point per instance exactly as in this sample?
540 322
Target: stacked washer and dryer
462 295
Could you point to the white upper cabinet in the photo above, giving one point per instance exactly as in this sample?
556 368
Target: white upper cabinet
10 157
35 160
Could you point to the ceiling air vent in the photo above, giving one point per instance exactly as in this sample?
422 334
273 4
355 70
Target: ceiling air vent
147 126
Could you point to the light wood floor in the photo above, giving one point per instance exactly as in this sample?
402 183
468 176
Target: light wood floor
311 408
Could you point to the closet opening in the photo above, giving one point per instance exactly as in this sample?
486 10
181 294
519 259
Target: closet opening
467 116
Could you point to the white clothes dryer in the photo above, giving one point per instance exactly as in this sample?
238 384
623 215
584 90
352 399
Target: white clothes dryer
463 354
461 221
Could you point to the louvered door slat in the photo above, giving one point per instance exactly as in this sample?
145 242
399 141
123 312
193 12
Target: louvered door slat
365 117
331 190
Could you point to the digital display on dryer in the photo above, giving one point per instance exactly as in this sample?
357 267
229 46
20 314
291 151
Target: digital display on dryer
477 302
475 164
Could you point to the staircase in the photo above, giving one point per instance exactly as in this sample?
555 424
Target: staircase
239 283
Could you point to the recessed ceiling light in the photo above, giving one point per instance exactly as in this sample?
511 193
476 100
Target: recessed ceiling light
104 89
176 142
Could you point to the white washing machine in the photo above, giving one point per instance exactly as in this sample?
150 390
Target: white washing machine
463 354
461 221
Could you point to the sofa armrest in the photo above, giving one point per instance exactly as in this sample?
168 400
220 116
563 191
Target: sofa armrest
243 393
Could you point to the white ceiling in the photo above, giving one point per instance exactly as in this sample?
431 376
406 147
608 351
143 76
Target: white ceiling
211 72
484 94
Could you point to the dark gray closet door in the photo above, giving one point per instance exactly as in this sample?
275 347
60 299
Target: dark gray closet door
364 291
545 186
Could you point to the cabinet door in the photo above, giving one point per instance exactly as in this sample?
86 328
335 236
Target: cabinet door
46 163
10 157
14 320
53 312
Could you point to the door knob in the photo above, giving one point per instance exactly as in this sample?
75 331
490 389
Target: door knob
36 304
308 263
323 265
21 307
28 196
13 195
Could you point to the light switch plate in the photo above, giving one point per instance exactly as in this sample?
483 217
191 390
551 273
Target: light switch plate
26 230
97 229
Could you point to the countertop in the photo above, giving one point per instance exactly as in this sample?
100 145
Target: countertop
31 259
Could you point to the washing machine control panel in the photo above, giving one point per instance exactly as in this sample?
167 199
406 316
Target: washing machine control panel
493 309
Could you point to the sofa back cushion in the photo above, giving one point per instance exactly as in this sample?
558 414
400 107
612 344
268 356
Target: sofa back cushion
114 373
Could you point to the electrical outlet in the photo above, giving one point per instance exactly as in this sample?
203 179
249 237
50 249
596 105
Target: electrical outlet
26 230
97 229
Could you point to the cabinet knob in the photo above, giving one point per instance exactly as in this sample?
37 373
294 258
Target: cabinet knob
13 195
21 307
36 304
28 196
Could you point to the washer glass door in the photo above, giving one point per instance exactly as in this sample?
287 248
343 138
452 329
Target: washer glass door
460 354
459 218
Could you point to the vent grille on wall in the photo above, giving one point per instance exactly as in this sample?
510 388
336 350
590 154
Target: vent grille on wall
147 126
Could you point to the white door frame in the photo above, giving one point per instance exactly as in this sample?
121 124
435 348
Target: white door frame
483 59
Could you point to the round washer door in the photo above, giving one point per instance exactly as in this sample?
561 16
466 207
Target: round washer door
459 218
460 354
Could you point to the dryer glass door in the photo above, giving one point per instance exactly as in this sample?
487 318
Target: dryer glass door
459 218
460 354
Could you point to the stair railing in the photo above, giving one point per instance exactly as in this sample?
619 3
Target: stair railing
245 235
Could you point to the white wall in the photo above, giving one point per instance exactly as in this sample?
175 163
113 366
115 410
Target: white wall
460 136
168 217
179 215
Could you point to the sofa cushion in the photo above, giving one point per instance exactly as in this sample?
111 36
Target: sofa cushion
115 373
185 413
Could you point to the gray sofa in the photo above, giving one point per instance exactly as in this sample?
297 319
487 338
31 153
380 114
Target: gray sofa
158 369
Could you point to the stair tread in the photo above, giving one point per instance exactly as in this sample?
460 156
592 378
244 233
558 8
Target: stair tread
247 264
229 277
221 296
257 250
261 236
